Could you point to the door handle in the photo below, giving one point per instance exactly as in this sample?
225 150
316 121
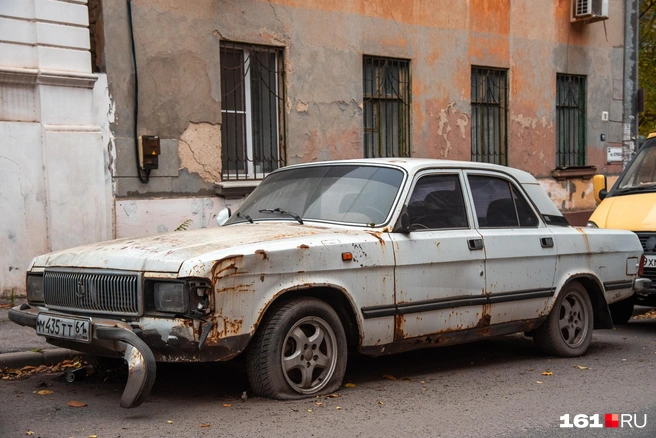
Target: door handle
546 242
475 244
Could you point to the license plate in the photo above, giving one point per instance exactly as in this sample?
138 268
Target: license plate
650 261
64 327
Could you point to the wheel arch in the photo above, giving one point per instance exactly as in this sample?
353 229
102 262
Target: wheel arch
595 290
334 296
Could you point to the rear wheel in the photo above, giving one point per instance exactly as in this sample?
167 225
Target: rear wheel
622 311
568 329
298 351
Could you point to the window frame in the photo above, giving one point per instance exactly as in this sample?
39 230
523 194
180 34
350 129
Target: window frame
484 104
244 165
572 111
374 123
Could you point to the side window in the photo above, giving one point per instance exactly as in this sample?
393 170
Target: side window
499 204
437 203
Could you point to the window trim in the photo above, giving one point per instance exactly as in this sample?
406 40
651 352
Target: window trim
252 174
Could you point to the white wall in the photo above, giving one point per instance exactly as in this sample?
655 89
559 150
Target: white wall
55 183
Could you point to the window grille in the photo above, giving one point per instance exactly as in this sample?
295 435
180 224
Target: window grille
489 124
571 128
386 107
252 102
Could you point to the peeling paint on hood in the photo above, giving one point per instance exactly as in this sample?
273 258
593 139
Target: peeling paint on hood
167 252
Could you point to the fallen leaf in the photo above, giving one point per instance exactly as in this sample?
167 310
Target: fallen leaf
406 379
424 389
93 436
76 404
547 373
538 381
422 381
380 402
332 395
29 433
309 410
44 392
318 403
338 408
389 377
349 385
227 405
581 367
169 421
205 425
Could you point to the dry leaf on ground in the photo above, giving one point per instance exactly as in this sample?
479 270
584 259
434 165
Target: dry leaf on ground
547 373
205 425
76 404
349 385
389 377
227 405
44 392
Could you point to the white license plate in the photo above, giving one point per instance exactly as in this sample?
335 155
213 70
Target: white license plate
650 261
64 327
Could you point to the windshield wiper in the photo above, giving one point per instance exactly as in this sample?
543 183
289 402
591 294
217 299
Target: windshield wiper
636 189
278 210
245 216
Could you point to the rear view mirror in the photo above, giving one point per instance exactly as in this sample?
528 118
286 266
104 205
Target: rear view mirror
599 187
223 216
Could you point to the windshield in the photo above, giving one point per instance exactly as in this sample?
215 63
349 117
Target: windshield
351 194
641 174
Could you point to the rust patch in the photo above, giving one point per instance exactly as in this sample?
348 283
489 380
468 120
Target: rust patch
227 266
398 327
484 321
262 278
303 246
263 253
377 236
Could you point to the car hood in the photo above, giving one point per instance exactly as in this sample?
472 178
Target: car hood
167 252
628 212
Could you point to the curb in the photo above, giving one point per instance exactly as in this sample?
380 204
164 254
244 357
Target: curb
49 356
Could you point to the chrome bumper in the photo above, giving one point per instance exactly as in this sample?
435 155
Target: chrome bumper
116 336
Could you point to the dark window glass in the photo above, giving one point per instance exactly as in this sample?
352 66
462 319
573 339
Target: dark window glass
437 202
499 204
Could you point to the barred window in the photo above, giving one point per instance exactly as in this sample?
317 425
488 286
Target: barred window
386 107
252 122
489 106
571 128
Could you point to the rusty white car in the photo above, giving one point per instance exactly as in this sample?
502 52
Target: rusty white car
376 255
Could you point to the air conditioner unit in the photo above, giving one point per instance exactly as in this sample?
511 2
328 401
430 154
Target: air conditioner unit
589 10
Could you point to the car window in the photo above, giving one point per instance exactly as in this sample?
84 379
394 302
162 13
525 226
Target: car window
437 203
499 204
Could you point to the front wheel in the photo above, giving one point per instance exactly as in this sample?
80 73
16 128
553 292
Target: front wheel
568 329
298 351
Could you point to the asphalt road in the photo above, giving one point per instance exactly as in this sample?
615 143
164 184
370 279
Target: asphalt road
492 388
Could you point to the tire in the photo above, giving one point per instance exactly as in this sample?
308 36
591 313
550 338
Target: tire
298 351
622 311
568 329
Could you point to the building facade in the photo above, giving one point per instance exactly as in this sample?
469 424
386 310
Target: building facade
235 89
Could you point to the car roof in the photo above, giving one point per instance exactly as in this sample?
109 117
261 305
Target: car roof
414 165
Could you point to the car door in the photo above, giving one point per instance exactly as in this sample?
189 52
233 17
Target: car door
520 251
440 268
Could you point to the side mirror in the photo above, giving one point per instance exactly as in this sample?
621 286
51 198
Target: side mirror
599 187
403 224
223 216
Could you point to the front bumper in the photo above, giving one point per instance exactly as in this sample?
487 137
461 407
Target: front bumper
113 336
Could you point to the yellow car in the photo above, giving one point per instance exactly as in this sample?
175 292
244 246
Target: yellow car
631 205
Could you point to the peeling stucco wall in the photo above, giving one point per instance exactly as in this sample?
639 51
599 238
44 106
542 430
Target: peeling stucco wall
323 44
199 148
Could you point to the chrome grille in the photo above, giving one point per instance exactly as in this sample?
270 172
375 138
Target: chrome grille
94 291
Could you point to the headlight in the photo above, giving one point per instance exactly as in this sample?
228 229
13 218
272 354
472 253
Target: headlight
170 297
34 288
592 225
